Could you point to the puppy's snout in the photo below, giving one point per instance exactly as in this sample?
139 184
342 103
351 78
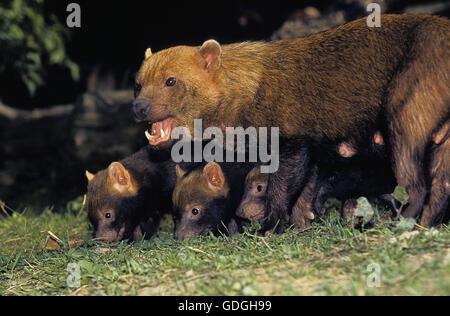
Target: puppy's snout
184 232
141 109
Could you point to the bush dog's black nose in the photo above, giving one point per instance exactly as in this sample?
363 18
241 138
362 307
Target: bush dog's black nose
141 109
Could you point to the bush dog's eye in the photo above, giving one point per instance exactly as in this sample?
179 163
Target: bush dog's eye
195 211
259 188
171 82
108 215
137 89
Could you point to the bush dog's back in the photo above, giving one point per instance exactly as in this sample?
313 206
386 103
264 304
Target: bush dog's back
329 87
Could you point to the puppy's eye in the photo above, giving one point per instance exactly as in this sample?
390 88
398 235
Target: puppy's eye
260 188
137 89
195 211
108 215
171 82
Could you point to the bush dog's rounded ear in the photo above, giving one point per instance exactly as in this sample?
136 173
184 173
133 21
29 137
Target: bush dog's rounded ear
214 175
148 53
180 172
89 175
211 52
121 179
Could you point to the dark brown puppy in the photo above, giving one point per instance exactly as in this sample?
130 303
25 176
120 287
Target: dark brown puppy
437 207
126 200
253 203
205 198
346 181
329 87
370 175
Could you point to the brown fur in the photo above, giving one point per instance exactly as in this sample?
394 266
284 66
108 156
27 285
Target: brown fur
303 209
214 191
253 202
134 192
100 186
325 88
418 99
437 206
196 190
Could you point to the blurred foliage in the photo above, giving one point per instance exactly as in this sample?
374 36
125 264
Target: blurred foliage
31 40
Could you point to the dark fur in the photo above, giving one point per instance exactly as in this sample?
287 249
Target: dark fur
437 209
369 177
155 176
253 201
368 173
217 210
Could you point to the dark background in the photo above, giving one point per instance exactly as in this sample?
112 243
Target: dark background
42 162
115 34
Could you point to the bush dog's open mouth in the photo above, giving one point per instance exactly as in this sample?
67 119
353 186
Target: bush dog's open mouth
160 132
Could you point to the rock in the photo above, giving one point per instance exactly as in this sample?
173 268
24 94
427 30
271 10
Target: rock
310 20
304 24
428 8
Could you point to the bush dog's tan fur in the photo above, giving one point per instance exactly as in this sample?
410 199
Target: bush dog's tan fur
326 88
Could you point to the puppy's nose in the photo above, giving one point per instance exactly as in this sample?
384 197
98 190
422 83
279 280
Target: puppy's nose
141 109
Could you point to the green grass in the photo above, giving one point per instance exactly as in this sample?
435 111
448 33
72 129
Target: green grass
328 259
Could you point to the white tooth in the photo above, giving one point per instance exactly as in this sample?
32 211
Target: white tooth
147 134
162 133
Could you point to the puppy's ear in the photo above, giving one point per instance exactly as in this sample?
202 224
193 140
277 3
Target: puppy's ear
211 52
148 53
89 175
346 149
214 175
378 138
121 179
180 172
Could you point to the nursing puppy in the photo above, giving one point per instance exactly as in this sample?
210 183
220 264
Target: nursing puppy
351 177
365 174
